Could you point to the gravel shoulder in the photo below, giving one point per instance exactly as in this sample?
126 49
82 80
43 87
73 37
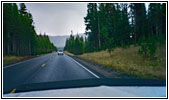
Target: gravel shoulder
102 71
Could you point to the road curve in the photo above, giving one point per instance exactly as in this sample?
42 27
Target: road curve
51 67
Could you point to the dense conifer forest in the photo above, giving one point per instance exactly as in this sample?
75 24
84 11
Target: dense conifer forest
111 25
19 35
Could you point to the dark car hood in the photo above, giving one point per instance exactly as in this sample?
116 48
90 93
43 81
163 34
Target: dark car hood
87 83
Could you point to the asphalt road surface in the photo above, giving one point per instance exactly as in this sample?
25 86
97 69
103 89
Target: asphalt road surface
51 67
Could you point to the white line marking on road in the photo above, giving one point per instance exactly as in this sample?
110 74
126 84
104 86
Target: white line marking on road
43 65
18 63
21 62
84 67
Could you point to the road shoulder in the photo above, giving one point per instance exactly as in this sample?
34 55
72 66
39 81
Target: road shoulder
102 71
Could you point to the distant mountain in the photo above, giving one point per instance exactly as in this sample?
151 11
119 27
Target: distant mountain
59 41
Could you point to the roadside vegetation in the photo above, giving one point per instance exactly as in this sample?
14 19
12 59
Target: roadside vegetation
19 35
7 60
20 40
68 53
128 60
13 59
127 37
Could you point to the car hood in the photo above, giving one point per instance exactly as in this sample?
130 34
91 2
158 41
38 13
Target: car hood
93 88
98 91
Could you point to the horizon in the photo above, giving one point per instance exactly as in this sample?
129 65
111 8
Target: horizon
67 35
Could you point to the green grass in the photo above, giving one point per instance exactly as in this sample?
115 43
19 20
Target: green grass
129 61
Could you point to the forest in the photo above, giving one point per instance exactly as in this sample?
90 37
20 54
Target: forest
111 25
19 35
75 44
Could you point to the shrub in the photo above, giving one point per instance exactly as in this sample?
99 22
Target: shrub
148 47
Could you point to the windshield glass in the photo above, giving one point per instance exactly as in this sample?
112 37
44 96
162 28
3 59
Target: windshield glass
70 45
60 50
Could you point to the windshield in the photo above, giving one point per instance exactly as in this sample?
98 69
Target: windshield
110 44
60 50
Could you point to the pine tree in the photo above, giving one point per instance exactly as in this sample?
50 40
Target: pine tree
19 35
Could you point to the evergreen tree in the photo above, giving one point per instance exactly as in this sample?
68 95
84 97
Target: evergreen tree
140 27
19 35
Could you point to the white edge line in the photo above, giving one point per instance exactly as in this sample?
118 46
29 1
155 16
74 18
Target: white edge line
15 64
85 68
20 62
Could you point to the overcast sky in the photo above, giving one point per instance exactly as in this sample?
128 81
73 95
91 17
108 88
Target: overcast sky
58 18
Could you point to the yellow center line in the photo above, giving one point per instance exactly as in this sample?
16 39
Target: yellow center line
13 91
43 65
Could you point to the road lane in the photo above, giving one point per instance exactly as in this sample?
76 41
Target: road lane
51 67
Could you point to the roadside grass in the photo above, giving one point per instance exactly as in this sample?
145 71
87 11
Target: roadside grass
127 60
14 59
7 60
68 53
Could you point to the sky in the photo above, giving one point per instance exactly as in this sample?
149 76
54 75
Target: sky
58 19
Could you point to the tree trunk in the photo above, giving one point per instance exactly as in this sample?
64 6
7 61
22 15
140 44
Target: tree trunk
14 45
99 32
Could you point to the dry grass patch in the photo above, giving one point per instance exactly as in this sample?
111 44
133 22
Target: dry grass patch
68 53
14 59
10 59
129 61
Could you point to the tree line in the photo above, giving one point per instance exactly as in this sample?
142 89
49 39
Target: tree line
75 44
19 35
110 25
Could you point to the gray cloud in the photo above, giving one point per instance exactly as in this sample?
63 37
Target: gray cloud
58 18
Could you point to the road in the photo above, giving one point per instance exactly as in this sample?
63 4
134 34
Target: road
51 67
